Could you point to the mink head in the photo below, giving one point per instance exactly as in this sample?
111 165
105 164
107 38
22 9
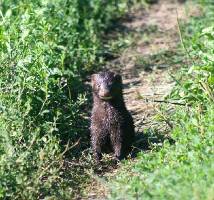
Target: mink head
107 85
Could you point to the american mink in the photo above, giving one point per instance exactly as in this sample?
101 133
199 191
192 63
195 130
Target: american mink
112 127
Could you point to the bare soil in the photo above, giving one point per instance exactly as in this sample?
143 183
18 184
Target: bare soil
147 65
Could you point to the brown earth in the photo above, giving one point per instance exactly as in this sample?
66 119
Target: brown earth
147 66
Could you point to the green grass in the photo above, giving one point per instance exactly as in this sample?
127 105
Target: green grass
47 48
183 170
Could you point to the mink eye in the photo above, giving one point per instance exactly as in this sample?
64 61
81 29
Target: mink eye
98 85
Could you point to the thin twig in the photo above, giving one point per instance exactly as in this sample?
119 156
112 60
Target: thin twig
169 102
165 101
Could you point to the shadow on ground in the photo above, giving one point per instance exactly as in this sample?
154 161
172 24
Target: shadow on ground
148 140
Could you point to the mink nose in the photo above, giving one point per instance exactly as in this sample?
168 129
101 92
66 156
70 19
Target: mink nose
104 92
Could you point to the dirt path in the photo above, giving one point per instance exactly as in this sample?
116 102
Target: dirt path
147 65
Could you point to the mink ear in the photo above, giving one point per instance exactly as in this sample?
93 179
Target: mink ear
118 78
93 77
93 80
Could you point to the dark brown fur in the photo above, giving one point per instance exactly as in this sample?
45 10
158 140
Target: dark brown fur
112 127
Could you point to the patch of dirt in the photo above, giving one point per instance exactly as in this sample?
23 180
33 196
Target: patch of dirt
147 65
159 47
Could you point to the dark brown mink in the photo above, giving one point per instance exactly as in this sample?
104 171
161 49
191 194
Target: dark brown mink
112 127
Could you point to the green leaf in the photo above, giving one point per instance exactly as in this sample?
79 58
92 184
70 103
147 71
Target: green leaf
211 80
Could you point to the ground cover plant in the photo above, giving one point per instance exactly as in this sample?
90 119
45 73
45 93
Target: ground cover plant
184 169
46 48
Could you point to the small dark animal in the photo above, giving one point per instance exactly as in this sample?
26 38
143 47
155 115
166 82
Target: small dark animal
112 127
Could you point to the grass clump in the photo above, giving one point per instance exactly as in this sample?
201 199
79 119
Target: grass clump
183 170
46 48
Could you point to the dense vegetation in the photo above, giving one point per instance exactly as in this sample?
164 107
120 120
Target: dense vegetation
183 170
47 47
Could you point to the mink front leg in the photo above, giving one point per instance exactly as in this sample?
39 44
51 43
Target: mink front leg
117 145
96 146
